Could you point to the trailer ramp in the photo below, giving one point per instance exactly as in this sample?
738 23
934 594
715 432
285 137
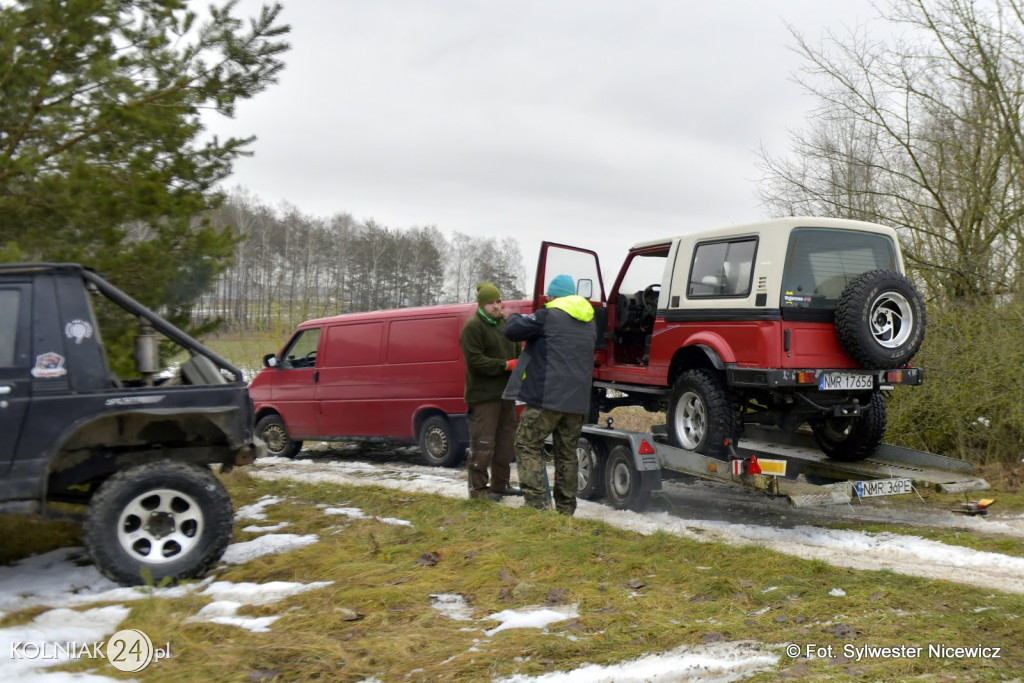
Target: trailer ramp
925 470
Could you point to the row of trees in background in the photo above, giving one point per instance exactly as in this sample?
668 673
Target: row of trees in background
919 126
290 267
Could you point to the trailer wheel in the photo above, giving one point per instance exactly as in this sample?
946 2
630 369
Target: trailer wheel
622 481
273 432
438 446
170 520
590 461
880 319
853 438
701 417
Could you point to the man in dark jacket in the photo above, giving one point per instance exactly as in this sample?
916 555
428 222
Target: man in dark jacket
553 378
490 358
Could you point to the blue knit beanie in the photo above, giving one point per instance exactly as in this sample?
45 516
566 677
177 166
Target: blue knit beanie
562 285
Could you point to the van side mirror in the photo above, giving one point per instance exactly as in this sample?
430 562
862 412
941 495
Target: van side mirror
585 287
270 361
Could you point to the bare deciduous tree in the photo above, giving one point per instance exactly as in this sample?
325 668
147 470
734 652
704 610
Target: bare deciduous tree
921 132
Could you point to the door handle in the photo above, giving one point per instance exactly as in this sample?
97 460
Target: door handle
316 377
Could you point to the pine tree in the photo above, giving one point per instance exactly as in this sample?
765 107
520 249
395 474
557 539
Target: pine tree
102 155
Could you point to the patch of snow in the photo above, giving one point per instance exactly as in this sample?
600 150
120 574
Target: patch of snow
259 593
229 597
837 593
257 510
356 513
58 627
226 612
719 662
65 577
531 617
452 605
264 529
240 553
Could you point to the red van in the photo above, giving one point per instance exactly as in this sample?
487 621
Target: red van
394 375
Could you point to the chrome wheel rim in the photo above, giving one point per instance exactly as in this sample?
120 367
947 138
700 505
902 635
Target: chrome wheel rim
160 526
584 467
891 320
691 420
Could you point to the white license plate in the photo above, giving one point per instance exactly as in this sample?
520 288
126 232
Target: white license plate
845 381
882 487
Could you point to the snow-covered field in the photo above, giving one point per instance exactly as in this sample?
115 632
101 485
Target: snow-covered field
66 585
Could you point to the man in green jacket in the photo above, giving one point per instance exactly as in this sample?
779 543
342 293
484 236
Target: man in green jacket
490 358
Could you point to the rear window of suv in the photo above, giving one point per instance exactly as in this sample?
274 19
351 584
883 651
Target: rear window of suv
820 262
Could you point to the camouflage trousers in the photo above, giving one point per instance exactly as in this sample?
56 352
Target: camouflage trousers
535 424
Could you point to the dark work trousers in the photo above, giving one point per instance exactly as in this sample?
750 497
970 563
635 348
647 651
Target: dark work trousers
492 435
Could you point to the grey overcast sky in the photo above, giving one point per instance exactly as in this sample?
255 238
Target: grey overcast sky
588 122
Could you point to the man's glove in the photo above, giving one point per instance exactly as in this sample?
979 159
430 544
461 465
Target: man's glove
510 365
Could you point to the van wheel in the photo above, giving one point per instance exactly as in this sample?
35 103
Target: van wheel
273 432
700 414
880 319
623 481
851 439
157 521
590 460
438 446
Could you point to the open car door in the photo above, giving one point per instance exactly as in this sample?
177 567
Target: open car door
580 264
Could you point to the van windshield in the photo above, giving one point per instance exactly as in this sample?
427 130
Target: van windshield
820 262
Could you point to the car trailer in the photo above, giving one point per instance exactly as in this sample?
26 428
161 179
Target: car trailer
626 466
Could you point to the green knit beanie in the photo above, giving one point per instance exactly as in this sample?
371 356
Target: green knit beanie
486 293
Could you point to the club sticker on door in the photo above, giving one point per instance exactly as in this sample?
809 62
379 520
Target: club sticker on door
49 365
78 330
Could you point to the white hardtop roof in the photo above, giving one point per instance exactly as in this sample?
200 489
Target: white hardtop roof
774 224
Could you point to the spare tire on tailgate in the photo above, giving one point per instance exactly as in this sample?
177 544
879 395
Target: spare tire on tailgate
880 319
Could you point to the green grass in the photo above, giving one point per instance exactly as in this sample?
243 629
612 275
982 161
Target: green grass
636 595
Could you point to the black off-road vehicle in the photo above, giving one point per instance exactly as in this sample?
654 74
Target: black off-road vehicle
135 452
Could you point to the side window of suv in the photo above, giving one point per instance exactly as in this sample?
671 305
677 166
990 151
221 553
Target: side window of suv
301 352
10 300
722 269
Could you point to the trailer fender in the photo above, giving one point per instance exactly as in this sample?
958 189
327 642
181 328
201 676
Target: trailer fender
640 445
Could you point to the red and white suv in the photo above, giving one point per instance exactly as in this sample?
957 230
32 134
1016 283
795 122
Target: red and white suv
782 322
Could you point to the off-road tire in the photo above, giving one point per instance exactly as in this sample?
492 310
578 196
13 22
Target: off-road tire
273 432
850 439
701 415
880 319
590 460
438 445
157 521
622 481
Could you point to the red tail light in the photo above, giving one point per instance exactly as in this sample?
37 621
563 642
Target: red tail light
645 448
